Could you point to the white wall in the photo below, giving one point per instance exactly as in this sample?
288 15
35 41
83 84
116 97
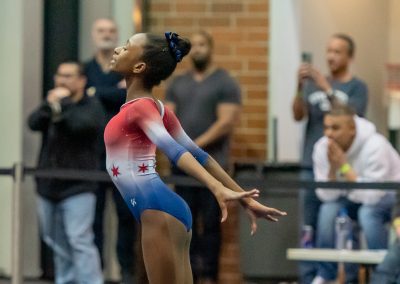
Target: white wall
394 31
20 78
32 94
284 61
10 114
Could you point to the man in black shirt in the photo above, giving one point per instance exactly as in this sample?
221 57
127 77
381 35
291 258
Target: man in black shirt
70 123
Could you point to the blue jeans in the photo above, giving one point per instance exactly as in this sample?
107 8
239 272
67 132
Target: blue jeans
309 206
66 226
388 272
371 219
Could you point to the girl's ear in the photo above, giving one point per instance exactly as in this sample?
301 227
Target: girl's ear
139 68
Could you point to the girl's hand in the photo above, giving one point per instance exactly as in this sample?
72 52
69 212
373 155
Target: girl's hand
256 210
224 194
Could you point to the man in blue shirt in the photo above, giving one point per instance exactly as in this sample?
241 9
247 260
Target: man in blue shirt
109 88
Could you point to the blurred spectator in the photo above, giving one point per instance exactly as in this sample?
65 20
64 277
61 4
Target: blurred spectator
314 93
70 123
109 87
388 272
352 150
207 102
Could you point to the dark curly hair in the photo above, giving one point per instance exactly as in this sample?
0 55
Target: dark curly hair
159 58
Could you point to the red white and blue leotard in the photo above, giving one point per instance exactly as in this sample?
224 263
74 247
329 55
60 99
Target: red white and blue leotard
131 138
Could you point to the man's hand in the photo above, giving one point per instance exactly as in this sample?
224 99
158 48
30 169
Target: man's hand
55 95
320 80
336 155
303 73
306 70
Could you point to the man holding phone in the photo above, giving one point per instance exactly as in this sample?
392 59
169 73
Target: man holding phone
315 94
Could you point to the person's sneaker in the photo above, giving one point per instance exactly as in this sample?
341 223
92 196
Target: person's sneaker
320 280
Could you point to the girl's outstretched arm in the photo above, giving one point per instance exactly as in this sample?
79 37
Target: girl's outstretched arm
253 208
190 166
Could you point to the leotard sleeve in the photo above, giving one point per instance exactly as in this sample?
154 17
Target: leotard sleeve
174 127
145 115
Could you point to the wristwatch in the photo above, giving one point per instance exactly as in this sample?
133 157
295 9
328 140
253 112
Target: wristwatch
344 169
396 222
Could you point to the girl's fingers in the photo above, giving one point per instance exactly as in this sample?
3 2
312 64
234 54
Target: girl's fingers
224 212
270 218
252 193
253 226
277 212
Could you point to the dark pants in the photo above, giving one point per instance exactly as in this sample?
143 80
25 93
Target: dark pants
309 207
206 233
126 229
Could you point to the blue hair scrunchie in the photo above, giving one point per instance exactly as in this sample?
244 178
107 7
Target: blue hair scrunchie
172 39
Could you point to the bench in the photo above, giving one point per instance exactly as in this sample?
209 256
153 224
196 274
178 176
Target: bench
365 258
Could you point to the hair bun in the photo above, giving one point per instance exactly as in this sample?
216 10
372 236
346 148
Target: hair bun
179 47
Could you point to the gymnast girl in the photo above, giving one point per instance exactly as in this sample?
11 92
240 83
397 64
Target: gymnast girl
131 139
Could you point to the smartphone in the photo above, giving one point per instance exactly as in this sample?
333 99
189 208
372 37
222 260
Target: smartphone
306 57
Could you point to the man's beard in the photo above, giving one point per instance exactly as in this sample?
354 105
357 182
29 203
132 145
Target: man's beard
200 64
106 45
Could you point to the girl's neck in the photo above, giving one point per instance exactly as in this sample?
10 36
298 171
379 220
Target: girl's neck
135 90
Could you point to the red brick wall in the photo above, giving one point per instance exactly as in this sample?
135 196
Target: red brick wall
240 31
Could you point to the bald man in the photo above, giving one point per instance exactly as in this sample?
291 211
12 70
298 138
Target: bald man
109 88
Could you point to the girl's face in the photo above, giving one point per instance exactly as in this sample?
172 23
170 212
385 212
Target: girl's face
127 59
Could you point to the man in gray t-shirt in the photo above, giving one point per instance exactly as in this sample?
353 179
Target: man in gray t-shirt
201 105
314 96
207 102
